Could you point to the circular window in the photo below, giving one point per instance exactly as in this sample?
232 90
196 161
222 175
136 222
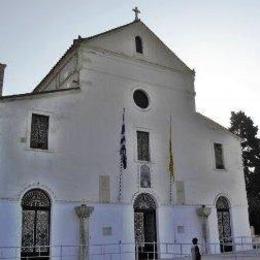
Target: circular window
141 99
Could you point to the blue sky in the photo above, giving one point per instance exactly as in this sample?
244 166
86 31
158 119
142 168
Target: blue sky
220 39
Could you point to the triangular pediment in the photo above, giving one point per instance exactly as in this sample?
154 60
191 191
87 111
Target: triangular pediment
122 40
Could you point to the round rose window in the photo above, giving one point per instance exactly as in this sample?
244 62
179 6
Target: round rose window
141 99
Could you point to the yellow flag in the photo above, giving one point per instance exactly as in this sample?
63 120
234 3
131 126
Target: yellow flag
171 164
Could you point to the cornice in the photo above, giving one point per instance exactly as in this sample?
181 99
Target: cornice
115 55
37 94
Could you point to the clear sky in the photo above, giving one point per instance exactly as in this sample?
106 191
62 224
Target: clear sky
219 39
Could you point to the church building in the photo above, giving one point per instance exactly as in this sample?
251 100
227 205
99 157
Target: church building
108 153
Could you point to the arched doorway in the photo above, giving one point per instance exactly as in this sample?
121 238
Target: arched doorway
145 227
224 225
36 208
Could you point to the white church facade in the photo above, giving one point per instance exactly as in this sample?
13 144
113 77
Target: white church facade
113 127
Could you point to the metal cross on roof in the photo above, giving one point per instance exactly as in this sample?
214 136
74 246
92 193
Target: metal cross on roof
137 11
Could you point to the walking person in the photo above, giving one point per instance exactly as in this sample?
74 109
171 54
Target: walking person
195 251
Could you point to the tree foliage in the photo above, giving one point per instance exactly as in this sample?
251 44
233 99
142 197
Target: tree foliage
243 126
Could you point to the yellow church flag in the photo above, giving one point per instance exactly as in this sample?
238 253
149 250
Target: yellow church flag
171 163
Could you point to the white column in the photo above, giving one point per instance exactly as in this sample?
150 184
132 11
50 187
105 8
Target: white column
204 213
83 212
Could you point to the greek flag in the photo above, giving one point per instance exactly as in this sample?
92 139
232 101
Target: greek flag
123 157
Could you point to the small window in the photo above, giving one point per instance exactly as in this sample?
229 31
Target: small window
141 99
138 44
39 132
143 153
107 231
219 160
145 176
180 229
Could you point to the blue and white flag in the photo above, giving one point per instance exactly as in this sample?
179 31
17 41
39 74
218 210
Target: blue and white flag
123 157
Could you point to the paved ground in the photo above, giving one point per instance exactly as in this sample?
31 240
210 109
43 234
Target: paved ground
245 255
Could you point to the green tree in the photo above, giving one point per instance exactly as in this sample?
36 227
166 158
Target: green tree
243 126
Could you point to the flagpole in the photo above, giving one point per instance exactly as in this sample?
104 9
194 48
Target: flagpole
120 184
170 162
123 157
171 183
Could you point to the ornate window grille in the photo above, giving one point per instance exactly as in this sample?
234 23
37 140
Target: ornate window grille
144 201
39 131
145 226
36 208
224 225
222 203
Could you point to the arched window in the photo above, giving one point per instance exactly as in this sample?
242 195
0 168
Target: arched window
36 208
222 203
145 176
144 201
224 225
138 44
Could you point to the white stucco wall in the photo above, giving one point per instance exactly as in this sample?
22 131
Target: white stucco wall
84 138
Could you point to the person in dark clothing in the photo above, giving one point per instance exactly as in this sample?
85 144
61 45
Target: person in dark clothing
195 251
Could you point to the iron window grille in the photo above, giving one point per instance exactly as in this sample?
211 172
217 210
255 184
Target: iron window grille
39 132
143 151
219 159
